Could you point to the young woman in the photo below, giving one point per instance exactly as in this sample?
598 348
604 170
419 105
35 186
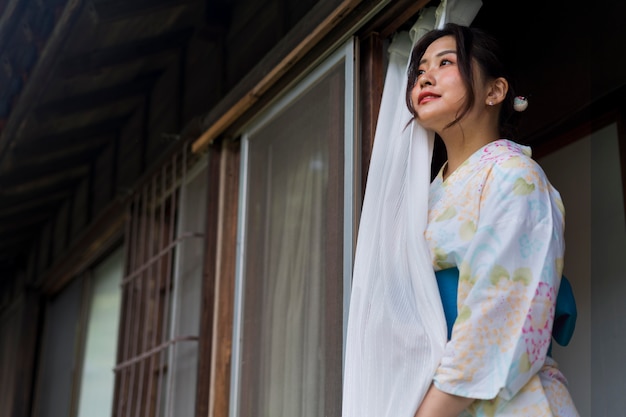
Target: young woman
493 215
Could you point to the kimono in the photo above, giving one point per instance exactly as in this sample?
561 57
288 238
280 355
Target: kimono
500 222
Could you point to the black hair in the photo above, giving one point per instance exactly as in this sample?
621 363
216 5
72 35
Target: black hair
472 45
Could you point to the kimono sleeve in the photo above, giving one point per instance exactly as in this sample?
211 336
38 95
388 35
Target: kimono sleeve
508 282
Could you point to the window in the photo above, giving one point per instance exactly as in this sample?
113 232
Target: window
295 250
80 344
58 358
157 365
96 387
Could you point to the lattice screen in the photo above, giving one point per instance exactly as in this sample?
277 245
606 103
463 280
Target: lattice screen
148 330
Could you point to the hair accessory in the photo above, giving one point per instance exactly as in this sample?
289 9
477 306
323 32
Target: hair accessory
520 103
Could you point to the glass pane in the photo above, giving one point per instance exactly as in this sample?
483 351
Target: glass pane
96 392
291 348
189 285
58 356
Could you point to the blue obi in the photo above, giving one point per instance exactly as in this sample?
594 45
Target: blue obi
564 317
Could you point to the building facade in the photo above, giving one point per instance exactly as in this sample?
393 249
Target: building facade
181 182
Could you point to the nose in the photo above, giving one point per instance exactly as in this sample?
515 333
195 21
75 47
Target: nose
425 79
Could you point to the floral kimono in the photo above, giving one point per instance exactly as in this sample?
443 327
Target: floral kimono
500 222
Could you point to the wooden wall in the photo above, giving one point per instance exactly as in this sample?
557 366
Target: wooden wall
89 217
210 64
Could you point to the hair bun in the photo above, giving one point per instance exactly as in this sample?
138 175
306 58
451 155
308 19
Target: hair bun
520 103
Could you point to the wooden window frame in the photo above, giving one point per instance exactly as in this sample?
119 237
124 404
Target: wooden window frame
328 21
216 326
341 191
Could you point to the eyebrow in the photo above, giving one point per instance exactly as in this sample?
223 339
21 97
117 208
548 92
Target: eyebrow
442 53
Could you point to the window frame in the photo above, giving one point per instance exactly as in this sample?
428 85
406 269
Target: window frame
84 282
347 52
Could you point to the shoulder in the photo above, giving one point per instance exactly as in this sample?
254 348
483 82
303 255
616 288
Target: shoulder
509 163
516 183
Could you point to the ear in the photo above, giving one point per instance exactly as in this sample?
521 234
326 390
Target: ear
497 90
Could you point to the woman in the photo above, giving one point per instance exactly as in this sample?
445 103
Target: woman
494 215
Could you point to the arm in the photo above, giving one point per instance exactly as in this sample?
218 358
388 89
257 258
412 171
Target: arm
437 403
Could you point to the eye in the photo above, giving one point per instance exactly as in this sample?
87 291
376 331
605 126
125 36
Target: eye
446 62
420 72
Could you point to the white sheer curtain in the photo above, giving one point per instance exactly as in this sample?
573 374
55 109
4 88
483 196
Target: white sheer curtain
294 304
294 178
396 329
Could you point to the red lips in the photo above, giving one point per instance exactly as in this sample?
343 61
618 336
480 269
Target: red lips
426 96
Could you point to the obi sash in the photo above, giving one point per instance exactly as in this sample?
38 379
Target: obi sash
565 311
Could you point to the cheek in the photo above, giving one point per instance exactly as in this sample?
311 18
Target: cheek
454 85
414 95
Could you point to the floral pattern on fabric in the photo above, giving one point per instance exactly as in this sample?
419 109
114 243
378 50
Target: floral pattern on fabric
498 219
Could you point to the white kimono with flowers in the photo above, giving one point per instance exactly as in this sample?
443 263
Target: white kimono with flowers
499 220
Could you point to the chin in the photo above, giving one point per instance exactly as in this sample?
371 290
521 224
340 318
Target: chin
425 123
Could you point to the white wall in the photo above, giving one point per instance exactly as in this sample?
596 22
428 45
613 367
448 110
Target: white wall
569 170
608 283
588 175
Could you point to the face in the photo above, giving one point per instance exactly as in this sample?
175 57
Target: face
439 92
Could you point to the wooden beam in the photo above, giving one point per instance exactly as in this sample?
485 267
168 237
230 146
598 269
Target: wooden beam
9 20
15 247
49 164
361 13
40 76
33 204
218 13
62 179
100 236
47 146
137 87
218 16
124 9
125 53
59 157
14 242
16 199
317 31
320 20
396 14
36 145
18 224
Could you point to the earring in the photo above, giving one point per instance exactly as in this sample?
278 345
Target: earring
490 103
520 103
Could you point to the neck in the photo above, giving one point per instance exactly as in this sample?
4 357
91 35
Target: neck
461 143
